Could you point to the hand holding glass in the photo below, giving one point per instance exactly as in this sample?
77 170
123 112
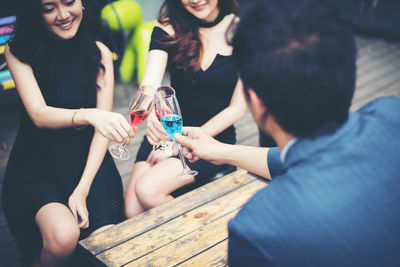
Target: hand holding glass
167 107
139 109
162 91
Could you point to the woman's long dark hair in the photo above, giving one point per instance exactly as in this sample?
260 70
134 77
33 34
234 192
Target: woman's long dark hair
35 45
186 38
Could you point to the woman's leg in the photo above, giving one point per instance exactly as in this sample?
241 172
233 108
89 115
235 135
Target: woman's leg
60 234
132 204
154 186
151 186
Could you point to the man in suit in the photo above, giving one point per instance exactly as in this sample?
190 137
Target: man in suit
338 201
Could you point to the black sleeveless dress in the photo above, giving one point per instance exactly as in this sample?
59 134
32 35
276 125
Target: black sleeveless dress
45 165
200 97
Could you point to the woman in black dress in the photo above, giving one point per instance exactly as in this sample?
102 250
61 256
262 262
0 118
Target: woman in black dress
60 178
189 39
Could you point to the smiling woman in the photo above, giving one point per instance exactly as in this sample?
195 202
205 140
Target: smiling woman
61 183
190 40
62 17
202 9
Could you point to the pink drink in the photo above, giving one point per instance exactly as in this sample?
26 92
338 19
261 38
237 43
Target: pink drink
137 116
158 115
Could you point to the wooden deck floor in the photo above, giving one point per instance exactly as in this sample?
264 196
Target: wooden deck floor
378 74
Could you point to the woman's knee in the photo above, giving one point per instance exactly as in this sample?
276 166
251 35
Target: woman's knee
132 207
61 239
148 193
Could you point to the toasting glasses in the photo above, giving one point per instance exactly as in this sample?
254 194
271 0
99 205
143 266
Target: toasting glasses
167 108
140 107
162 91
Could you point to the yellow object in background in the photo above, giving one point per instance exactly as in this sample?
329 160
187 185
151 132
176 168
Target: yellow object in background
136 51
129 14
7 85
141 41
2 48
127 67
114 56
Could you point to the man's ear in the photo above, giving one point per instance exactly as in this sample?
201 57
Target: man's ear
256 102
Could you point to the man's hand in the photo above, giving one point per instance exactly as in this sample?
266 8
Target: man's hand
197 144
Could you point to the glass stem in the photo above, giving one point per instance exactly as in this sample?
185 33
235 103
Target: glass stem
184 165
122 146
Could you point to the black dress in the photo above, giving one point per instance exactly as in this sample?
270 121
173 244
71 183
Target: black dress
200 97
45 165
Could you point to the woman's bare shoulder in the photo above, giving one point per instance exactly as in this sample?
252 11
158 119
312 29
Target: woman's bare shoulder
166 27
104 50
233 18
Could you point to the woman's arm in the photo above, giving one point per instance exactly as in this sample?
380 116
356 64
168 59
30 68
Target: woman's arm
32 98
153 75
156 65
156 62
111 125
99 144
229 115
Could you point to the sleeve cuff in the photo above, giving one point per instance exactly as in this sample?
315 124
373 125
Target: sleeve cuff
275 165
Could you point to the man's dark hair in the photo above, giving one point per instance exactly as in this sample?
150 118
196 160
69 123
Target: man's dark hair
300 60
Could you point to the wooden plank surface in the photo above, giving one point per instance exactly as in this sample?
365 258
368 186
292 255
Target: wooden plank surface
214 256
181 226
157 216
187 246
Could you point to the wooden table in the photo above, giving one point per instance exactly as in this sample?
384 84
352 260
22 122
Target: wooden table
190 230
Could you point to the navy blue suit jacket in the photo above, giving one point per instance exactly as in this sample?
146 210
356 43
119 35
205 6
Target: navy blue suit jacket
337 203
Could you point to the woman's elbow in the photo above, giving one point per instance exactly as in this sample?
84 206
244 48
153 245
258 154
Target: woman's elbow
37 119
38 123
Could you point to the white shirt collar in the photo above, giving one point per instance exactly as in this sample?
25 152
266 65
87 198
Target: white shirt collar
286 148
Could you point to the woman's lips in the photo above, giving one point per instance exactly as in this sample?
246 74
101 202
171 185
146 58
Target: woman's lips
66 25
198 7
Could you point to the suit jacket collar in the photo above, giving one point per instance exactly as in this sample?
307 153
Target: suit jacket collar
307 147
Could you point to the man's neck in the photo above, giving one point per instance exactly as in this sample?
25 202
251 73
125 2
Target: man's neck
282 138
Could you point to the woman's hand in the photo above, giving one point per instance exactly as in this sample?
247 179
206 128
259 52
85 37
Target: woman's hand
111 125
77 205
155 131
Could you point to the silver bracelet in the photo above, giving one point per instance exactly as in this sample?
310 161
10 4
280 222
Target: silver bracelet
162 146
